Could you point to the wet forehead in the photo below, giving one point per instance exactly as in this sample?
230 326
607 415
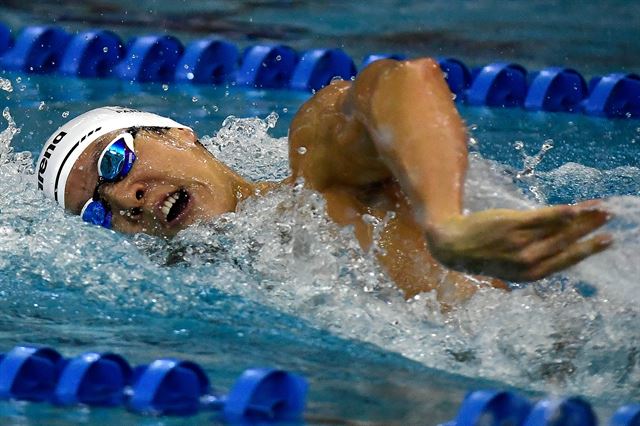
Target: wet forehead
84 174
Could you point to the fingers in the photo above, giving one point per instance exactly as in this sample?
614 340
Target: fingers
569 257
583 224
561 215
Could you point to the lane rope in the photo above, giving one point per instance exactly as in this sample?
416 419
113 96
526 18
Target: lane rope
102 53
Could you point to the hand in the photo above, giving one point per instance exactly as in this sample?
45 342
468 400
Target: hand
519 245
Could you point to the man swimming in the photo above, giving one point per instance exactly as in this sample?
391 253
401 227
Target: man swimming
391 141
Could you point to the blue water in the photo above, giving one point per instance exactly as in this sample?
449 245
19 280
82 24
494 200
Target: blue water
276 283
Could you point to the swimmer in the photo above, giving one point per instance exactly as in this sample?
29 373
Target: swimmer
390 141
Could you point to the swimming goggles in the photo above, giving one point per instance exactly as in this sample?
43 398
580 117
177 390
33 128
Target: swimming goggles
114 164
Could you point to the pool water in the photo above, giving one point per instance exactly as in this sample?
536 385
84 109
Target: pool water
276 283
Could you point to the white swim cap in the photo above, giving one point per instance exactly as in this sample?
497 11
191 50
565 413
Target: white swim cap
64 147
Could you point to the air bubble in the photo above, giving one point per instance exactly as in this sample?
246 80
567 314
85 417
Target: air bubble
65 114
302 150
105 49
42 106
165 87
194 99
190 76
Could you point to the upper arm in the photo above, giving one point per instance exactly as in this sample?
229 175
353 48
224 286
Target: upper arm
328 142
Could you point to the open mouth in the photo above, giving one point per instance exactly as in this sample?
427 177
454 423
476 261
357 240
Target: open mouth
175 204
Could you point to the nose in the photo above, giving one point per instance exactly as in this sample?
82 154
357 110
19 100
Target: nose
123 196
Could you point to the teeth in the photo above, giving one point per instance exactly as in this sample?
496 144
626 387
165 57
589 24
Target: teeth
168 203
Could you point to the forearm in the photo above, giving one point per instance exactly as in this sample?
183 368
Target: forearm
408 110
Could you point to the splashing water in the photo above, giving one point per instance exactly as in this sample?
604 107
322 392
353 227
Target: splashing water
530 162
5 84
282 251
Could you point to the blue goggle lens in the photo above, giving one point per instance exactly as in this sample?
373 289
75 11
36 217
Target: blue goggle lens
114 164
116 160
96 213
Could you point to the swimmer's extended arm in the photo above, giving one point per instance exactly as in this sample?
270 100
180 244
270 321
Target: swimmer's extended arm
408 112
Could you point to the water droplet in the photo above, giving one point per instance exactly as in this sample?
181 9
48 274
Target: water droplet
271 120
65 114
165 87
5 85
302 150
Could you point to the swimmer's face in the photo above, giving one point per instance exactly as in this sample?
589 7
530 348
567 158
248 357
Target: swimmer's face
173 183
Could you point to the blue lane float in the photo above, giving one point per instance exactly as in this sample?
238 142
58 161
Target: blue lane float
556 89
6 40
148 59
93 379
38 49
92 54
497 408
500 84
614 95
457 75
267 66
207 61
629 415
318 67
169 387
29 373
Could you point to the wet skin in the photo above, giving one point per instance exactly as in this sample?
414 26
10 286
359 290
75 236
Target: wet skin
392 141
